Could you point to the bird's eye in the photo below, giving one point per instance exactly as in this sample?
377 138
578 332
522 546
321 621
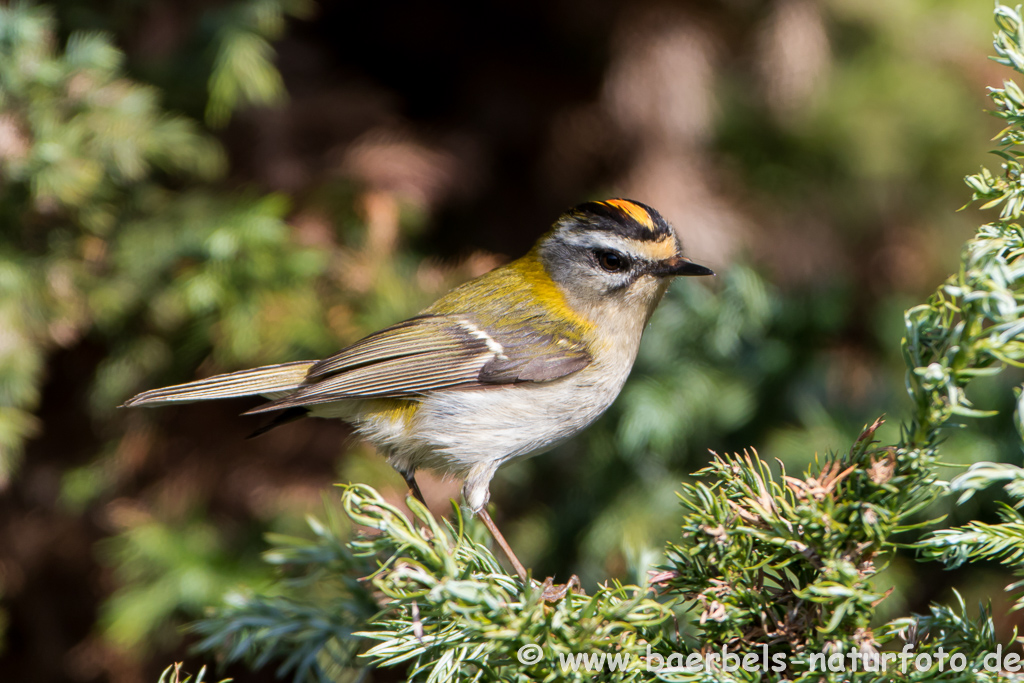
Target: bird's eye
612 261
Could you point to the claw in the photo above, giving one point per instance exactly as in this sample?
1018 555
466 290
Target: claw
553 593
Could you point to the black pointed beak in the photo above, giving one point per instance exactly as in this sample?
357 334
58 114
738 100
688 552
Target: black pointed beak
680 265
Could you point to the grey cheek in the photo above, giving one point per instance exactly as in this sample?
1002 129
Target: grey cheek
620 283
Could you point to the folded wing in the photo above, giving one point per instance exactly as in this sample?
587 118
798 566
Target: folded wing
433 352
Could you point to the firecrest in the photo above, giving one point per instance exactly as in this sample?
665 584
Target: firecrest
506 366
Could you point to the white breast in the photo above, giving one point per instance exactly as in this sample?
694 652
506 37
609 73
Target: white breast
500 424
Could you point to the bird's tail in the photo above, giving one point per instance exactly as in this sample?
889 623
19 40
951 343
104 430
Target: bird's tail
266 381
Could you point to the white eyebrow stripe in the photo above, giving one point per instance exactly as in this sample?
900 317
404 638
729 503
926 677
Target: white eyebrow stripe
598 240
644 250
492 344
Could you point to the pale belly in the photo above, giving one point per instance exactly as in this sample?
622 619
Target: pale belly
456 431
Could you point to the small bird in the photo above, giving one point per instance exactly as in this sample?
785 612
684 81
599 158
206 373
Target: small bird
506 366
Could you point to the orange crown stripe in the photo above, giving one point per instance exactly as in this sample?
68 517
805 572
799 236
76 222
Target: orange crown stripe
634 211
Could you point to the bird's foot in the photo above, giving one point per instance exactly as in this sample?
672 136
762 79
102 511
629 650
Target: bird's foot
553 593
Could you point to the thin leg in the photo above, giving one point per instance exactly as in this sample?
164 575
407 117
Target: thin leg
410 479
506 548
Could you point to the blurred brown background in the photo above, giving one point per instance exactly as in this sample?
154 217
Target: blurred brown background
268 180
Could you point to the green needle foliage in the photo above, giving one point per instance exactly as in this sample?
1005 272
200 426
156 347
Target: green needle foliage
441 604
174 674
993 324
450 606
104 231
810 551
243 71
307 624
78 141
765 563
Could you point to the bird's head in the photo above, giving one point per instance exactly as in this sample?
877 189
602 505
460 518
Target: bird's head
614 257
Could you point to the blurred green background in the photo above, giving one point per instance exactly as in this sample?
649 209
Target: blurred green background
196 187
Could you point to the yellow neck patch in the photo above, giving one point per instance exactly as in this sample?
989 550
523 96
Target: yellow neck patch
545 292
634 211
